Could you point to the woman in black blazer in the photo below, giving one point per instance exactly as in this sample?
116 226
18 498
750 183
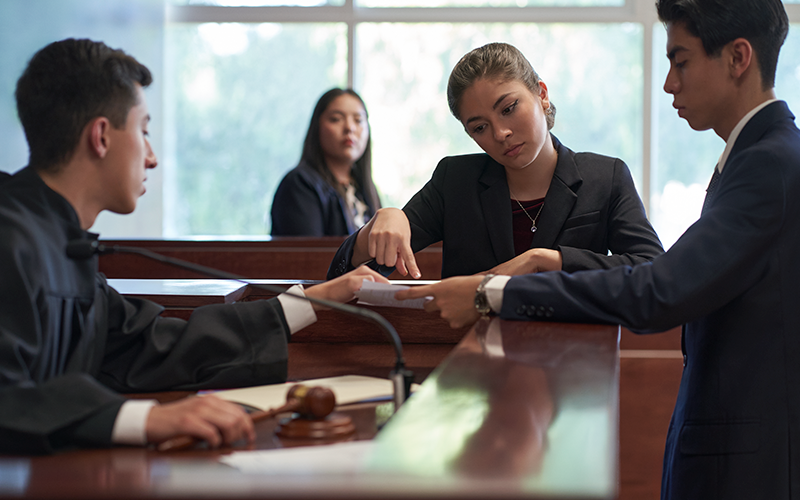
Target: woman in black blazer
330 192
529 204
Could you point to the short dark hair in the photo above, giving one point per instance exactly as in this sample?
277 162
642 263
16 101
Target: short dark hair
315 157
716 23
65 86
493 60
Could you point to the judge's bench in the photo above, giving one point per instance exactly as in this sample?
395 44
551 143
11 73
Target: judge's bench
505 410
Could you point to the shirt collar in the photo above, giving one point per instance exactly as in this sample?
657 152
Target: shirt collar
737 130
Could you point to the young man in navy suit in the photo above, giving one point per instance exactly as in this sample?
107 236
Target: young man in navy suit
732 279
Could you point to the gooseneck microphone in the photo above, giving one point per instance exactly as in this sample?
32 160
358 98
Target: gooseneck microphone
400 376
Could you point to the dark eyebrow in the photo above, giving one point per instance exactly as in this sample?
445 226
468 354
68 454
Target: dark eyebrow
496 103
674 51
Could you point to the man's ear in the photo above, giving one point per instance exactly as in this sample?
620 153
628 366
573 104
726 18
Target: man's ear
741 57
99 137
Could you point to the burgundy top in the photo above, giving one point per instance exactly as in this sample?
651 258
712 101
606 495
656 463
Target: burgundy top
523 236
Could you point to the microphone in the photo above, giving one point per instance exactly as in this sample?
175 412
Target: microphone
401 377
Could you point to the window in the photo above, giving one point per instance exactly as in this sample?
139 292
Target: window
402 70
236 80
238 104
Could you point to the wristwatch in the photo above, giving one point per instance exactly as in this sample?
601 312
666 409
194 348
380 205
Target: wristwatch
481 301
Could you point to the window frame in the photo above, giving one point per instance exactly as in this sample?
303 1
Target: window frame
640 12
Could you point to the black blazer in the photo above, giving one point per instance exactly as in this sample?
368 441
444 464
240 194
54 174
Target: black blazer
306 205
733 278
591 208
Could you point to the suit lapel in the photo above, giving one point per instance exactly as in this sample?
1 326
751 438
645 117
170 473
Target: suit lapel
561 197
495 205
752 132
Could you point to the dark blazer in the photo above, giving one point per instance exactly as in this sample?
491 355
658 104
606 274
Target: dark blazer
591 208
306 205
733 278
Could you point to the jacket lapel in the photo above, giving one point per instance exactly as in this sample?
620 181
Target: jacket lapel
560 198
495 205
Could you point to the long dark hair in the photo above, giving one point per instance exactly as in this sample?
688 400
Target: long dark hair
315 158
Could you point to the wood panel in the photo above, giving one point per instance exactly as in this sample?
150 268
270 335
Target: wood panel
297 258
648 388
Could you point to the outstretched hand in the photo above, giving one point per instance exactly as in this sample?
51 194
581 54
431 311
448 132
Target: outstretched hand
454 298
387 239
208 418
343 288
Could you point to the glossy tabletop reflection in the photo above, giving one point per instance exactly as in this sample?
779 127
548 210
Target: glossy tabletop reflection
517 410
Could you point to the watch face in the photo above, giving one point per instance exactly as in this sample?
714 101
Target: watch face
481 303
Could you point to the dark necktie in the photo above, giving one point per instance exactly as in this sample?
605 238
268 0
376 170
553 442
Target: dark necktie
712 186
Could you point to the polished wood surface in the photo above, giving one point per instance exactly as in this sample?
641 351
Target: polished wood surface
650 365
302 258
517 410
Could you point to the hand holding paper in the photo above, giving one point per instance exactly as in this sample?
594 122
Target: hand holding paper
381 294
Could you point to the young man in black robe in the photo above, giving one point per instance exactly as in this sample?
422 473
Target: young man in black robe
69 343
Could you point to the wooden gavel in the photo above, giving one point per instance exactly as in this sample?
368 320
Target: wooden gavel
309 402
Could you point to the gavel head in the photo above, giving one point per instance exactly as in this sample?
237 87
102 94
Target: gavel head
316 402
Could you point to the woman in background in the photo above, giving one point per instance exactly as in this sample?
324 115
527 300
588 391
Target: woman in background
330 192
528 204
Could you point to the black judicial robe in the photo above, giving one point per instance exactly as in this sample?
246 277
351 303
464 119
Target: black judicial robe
69 343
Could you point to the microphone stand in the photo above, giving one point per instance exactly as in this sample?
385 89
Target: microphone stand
401 377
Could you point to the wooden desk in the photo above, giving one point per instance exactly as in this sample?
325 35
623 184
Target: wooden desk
650 365
517 410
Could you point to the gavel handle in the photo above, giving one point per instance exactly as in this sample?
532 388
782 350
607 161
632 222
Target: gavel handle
184 442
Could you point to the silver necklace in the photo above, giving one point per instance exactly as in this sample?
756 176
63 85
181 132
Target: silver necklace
533 219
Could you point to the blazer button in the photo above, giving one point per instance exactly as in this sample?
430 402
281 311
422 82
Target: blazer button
549 312
531 312
685 358
521 310
540 311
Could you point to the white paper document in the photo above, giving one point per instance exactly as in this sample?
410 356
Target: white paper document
340 458
381 294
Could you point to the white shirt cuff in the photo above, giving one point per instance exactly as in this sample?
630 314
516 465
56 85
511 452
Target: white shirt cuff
299 313
493 341
130 427
494 292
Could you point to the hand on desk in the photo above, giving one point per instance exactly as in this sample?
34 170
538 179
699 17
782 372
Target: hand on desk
387 239
454 298
208 418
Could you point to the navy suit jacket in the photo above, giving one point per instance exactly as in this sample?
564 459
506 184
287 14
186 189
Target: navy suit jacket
733 279
591 208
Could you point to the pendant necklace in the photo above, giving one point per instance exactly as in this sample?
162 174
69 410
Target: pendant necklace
533 219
